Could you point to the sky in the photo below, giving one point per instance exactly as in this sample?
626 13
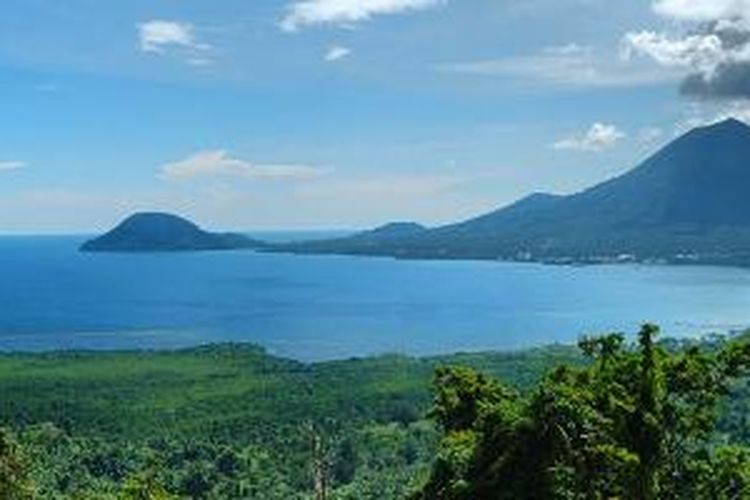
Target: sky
301 114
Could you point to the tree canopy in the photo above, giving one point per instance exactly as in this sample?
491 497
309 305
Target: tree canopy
637 422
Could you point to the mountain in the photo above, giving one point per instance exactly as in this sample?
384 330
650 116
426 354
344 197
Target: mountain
688 202
393 230
162 232
370 242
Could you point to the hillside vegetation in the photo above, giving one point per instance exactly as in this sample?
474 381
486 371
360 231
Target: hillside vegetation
230 421
608 420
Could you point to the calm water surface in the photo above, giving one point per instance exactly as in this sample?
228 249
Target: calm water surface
311 307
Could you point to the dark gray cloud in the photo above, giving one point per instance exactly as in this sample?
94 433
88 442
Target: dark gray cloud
729 79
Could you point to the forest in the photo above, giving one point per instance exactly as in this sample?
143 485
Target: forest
615 417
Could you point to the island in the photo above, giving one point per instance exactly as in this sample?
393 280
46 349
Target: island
164 232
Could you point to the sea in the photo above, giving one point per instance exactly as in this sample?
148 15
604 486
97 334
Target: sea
314 308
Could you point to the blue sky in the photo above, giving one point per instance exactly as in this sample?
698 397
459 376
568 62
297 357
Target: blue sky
339 113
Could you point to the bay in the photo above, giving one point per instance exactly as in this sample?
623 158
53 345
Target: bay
331 307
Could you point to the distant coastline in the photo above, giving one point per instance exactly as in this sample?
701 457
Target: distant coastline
686 204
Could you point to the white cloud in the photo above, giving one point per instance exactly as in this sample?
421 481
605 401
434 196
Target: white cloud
336 53
715 61
598 138
342 12
11 165
702 10
158 36
569 65
714 55
221 164
702 52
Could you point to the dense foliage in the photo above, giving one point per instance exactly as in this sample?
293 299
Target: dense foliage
613 420
637 422
226 421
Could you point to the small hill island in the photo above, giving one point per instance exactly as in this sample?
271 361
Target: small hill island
163 232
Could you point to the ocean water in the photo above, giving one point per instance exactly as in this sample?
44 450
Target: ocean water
326 307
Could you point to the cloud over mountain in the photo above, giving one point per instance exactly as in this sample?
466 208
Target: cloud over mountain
715 53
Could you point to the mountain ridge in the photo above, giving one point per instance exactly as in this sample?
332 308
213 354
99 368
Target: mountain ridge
686 202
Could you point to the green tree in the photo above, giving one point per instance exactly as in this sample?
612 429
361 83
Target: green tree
144 486
15 483
636 422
